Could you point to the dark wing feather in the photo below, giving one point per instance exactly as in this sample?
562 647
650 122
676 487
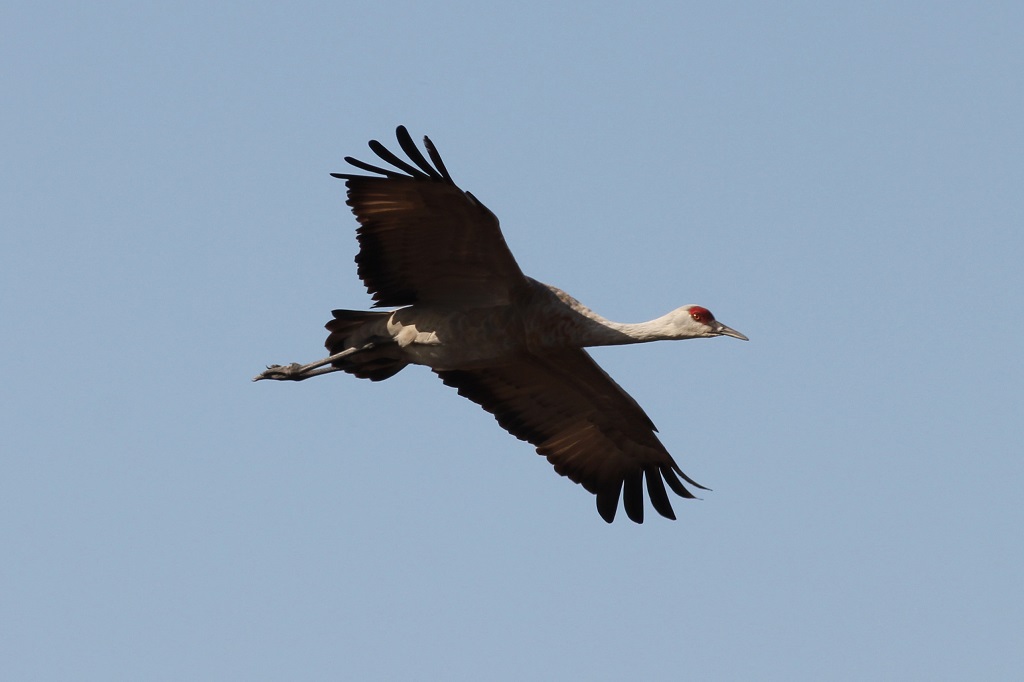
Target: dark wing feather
590 429
424 240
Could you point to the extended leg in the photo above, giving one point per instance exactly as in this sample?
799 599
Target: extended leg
297 372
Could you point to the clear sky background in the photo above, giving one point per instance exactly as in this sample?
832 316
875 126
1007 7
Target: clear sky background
840 181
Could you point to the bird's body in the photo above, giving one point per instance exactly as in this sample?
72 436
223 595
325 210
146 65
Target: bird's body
505 341
541 319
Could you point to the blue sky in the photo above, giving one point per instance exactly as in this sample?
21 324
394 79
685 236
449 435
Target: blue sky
841 183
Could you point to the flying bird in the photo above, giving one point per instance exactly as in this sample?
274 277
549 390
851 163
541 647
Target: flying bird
509 343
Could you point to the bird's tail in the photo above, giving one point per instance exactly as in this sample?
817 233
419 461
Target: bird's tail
377 357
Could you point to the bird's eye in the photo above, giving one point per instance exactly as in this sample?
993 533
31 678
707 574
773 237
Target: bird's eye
702 315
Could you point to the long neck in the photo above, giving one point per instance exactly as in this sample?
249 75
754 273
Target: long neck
563 319
595 330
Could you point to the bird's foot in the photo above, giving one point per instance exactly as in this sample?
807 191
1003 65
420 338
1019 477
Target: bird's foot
292 372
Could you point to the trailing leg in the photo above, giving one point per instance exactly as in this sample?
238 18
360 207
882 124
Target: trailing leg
297 372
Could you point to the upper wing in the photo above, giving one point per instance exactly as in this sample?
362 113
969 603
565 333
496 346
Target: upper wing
421 238
583 422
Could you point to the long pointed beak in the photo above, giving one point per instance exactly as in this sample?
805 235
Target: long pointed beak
729 331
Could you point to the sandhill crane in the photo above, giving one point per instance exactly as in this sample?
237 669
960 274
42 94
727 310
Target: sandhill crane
507 342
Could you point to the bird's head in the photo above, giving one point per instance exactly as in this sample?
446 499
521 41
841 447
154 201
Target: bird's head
694 321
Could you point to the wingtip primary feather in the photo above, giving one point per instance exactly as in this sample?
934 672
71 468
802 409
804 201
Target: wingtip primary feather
633 496
687 478
608 502
656 491
370 168
436 158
